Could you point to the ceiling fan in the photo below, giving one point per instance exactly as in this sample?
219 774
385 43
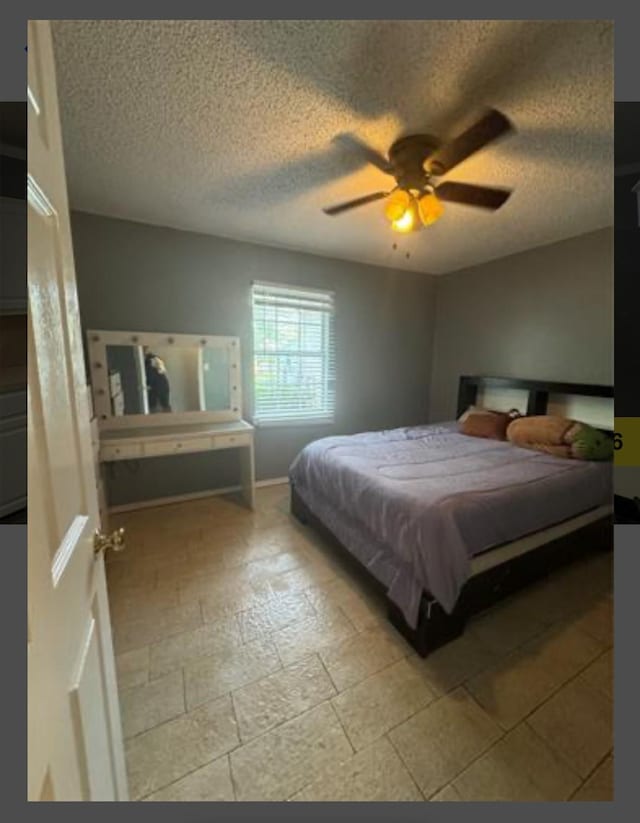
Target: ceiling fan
415 161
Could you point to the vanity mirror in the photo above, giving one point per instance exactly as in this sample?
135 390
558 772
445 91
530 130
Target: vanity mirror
150 379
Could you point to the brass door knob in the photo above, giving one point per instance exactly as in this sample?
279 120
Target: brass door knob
103 542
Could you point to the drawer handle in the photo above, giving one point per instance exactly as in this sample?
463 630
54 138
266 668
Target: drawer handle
178 445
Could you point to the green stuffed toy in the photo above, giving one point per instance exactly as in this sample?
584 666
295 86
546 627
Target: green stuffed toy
588 443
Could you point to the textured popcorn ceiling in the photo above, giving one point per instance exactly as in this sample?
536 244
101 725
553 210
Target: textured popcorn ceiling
225 127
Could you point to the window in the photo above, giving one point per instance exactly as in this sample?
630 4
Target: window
293 354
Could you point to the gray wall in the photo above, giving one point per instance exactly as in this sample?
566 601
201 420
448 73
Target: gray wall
146 278
546 313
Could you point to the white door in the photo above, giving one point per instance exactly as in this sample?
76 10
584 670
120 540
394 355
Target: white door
75 749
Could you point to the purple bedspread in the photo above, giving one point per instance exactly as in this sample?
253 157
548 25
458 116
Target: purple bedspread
415 504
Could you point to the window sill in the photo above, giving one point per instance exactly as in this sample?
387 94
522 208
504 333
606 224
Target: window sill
316 421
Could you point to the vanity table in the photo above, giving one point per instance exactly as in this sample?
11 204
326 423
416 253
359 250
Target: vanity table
157 395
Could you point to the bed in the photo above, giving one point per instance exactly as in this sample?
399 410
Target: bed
448 524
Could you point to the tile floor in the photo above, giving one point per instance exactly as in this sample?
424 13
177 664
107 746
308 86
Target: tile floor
255 663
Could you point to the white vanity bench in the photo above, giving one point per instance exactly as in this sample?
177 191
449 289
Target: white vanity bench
202 405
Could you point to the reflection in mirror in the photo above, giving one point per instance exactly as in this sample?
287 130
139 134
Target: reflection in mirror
162 379
215 379
126 380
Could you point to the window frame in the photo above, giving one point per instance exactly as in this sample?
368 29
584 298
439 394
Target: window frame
319 420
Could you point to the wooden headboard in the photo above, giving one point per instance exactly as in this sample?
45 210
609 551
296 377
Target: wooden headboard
541 396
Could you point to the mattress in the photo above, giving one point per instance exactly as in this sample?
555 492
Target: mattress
415 505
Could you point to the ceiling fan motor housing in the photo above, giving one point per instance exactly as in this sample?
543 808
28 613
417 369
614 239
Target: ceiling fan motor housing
407 156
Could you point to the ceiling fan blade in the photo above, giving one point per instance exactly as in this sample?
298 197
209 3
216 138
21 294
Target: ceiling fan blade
352 204
357 146
467 194
493 125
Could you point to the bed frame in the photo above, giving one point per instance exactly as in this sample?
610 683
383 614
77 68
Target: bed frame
436 627
627 509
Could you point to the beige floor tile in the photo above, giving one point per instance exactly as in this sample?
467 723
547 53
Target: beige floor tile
311 636
599 786
166 542
577 723
228 669
175 651
168 752
133 563
143 707
360 655
363 613
519 767
260 521
261 571
599 674
132 668
139 604
214 584
282 538
300 579
279 763
571 590
189 566
133 634
521 681
274 613
453 664
281 696
506 626
324 564
382 701
236 554
598 621
334 591
122 578
183 535
223 601
167 560
200 579
218 535
222 508
211 782
441 740
448 794
205 569
376 774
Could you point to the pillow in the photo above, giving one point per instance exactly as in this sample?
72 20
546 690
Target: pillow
482 424
591 444
474 410
513 413
560 436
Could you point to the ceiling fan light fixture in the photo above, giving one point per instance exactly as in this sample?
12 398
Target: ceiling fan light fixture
397 205
430 208
408 221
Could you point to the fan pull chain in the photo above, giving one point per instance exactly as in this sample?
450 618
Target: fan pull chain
395 246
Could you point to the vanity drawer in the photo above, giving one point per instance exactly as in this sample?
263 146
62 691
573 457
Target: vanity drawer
189 444
227 441
127 451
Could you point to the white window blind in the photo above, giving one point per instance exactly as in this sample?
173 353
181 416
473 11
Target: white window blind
293 354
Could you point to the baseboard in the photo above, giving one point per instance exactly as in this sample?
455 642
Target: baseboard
183 498
275 481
